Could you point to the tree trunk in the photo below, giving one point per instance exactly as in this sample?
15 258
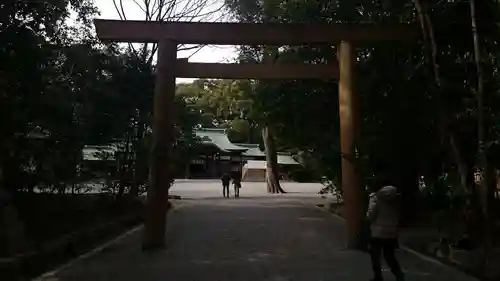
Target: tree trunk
447 135
448 138
482 163
480 107
463 170
272 171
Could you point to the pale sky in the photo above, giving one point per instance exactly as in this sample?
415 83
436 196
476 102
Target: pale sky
206 54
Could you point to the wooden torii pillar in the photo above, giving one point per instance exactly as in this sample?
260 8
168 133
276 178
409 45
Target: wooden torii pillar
349 129
160 174
169 34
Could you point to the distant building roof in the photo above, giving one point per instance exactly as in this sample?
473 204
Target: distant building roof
218 137
248 145
253 150
286 160
255 165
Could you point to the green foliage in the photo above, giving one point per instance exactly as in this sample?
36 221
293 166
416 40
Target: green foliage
223 104
401 108
445 194
61 89
39 74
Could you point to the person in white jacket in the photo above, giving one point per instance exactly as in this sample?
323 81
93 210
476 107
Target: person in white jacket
383 214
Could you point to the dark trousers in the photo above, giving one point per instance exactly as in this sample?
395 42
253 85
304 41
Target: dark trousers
388 247
237 190
225 189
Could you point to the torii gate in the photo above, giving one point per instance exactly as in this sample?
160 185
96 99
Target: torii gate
170 34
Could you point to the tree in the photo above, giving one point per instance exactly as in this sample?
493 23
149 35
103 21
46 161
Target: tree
228 104
484 166
220 102
61 90
169 10
36 37
465 157
160 10
272 176
419 114
263 11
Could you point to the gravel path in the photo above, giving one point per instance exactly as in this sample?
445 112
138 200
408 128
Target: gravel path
259 237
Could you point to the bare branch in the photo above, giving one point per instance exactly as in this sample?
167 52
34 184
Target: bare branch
195 52
154 48
158 10
211 13
131 47
147 11
195 12
171 10
123 11
153 7
145 47
184 48
118 10
192 9
140 7
167 14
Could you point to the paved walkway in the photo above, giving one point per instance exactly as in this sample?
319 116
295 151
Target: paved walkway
270 237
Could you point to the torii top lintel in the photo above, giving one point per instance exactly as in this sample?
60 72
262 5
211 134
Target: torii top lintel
249 33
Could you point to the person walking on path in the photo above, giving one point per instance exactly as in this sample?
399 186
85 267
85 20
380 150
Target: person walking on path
226 180
383 214
237 184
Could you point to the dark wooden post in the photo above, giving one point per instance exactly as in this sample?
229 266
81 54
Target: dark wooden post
349 127
160 171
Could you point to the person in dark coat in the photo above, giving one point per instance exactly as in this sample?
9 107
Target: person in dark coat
226 180
383 214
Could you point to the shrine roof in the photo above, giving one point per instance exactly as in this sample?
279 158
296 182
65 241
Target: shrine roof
219 138
253 150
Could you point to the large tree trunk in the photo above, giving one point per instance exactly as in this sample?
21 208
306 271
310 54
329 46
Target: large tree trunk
487 172
482 164
272 172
